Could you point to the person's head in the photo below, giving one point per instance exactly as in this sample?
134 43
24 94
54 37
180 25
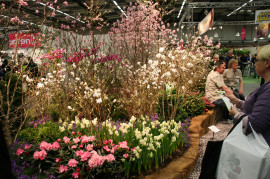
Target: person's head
230 53
216 57
263 61
220 66
233 63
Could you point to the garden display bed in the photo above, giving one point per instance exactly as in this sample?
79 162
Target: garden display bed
184 165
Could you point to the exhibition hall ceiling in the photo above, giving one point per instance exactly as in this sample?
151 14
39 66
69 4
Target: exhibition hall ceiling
110 10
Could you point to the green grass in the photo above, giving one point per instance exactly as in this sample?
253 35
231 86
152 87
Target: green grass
250 79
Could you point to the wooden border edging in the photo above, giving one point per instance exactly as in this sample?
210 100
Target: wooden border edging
184 165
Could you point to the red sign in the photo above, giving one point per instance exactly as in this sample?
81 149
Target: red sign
23 40
243 33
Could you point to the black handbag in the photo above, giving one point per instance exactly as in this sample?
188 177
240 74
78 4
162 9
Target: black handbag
211 156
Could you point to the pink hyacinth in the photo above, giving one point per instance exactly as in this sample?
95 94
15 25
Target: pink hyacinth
63 168
75 174
85 156
19 151
27 146
55 145
110 158
72 163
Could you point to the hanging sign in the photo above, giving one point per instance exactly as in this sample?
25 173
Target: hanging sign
262 16
22 40
243 33
262 30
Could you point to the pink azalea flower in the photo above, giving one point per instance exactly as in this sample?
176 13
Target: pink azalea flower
57 160
91 138
63 168
43 154
21 2
66 140
96 160
45 146
89 147
110 158
106 148
76 140
55 145
79 153
125 155
108 142
85 156
27 146
19 151
74 146
123 145
75 174
14 19
58 140
72 163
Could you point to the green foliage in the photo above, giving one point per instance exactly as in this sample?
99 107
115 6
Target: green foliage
187 106
48 132
238 52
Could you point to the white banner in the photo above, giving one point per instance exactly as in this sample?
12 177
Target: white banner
262 16
206 23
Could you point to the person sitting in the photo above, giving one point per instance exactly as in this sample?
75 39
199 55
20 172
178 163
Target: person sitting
255 109
215 83
228 57
232 77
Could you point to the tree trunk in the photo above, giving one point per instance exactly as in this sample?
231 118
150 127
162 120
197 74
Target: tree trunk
6 130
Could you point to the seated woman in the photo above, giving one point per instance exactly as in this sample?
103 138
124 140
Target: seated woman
232 76
256 108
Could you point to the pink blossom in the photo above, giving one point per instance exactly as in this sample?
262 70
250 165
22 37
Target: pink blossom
72 163
55 1
125 155
85 156
40 155
53 13
123 145
75 174
57 160
106 148
63 168
19 151
96 160
66 140
74 146
14 19
45 146
110 158
79 153
76 140
89 147
58 140
55 145
65 3
37 11
108 142
21 2
27 146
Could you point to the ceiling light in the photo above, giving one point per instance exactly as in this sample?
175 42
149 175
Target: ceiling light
239 8
183 3
237 34
115 3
